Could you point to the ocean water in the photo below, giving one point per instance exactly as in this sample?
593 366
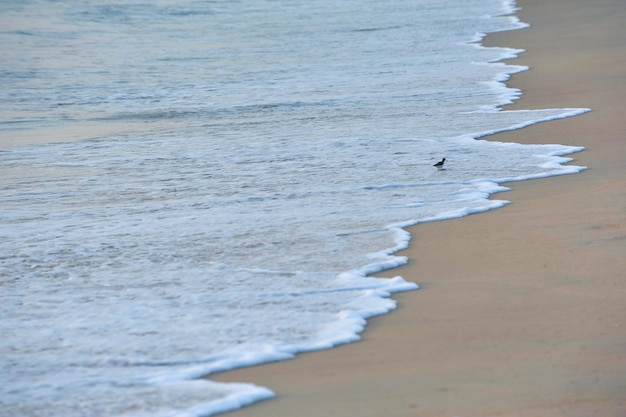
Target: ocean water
192 186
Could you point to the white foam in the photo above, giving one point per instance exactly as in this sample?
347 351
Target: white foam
239 395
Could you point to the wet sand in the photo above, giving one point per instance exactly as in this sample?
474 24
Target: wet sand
522 310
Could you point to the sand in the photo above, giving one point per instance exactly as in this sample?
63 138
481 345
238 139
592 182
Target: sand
522 310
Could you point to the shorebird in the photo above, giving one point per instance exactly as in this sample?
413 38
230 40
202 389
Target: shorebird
439 165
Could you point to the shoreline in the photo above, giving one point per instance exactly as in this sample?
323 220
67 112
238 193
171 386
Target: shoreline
520 310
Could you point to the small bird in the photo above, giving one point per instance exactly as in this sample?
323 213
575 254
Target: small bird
439 165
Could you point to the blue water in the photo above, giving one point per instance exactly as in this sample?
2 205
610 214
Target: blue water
193 186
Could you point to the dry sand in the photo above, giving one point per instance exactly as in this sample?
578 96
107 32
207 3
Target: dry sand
522 310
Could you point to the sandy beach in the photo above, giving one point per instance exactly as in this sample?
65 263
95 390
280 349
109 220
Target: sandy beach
522 310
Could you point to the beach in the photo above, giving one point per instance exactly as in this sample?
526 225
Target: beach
529 317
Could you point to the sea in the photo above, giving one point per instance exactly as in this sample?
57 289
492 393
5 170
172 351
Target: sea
193 186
